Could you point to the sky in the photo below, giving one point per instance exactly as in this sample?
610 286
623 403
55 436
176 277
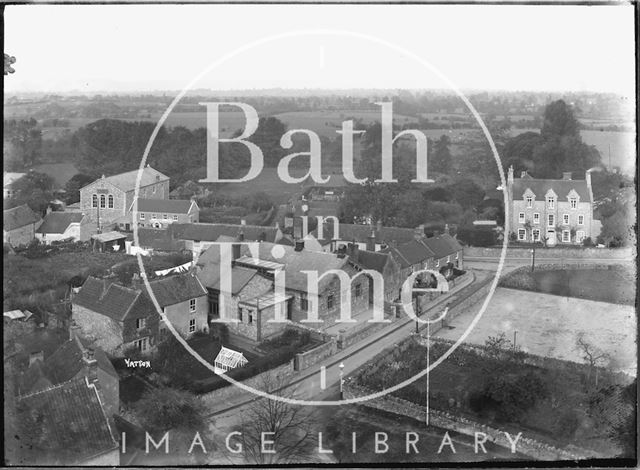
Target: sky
122 48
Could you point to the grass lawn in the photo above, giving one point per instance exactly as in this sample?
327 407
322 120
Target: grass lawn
365 422
603 285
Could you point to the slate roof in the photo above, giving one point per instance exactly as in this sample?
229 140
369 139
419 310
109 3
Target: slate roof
18 217
443 245
127 181
371 260
211 232
164 206
361 233
410 253
61 366
177 288
209 271
10 178
58 222
158 239
113 300
305 260
71 420
561 187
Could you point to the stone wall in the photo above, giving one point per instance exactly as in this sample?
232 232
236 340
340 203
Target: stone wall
219 399
106 332
529 447
557 252
313 356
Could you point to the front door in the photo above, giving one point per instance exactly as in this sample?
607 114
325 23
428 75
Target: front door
551 237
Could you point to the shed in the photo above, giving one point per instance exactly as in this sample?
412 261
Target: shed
228 359
109 241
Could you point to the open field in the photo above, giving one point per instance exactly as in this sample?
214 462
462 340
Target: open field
548 325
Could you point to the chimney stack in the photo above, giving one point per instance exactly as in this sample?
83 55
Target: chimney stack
566 175
418 232
510 176
446 229
35 356
523 174
90 362
353 250
371 241
299 245
74 329
379 226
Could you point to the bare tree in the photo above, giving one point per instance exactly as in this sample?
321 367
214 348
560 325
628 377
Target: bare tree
592 355
274 431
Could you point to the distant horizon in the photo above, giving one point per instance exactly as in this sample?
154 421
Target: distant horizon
124 49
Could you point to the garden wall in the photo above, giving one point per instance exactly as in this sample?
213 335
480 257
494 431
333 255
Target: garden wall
313 356
221 398
554 252
529 447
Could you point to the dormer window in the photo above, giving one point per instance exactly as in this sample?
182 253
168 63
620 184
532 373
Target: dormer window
573 202
529 201
551 202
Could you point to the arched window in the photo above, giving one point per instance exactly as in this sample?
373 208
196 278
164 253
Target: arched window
103 201
110 201
94 200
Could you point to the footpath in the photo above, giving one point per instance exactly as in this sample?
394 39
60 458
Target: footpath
309 383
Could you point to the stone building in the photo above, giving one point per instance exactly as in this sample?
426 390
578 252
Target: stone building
58 226
116 318
551 211
160 213
253 299
109 198
19 225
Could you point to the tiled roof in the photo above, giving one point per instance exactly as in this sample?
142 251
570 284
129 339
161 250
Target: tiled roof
561 187
158 239
177 288
58 222
443 245
336 180
211 232
371 260
415 252
127 181
166 206
361 233
33 379
67 361
18 217
70 421
113 300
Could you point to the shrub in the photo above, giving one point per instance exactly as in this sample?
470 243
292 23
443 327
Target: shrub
587 242
477 236
519 280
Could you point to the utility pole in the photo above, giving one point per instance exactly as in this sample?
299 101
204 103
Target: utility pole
428 364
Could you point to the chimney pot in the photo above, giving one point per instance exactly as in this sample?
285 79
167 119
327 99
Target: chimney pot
299 245
34 356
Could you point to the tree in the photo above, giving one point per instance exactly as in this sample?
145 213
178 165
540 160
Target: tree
591 354
34 189
559 121
74 185
441 156
164 408
289 427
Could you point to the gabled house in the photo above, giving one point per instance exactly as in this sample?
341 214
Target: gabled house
198 237
9 179
109 198
65 225
19 225
116 318
183 300
65 424
551 211
253 300
75 358
160 213
368 237
447 251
